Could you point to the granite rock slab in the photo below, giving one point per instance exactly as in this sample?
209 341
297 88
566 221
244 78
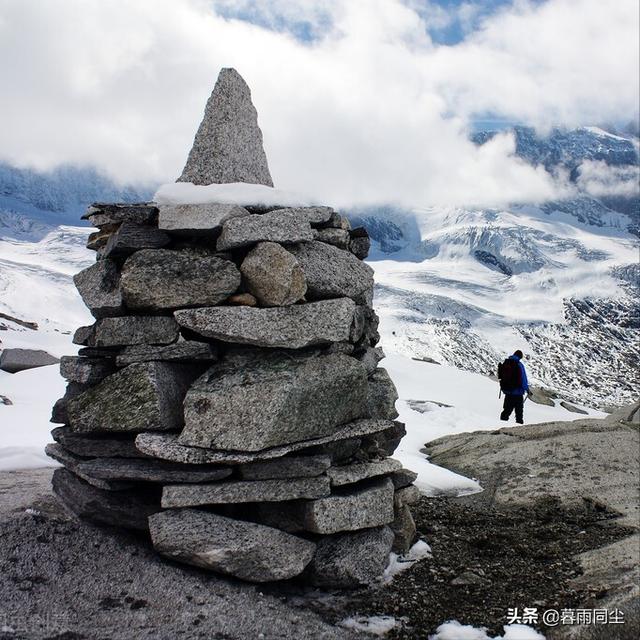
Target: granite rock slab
162 279
290 467
274 401
86 371
382 395
292 327
15 360
234 492
96 446
129 238
245 550
350 473
181 351
197 219
101 213
127 330
282 226
166 446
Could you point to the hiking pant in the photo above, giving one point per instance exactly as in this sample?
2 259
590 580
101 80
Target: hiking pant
512 402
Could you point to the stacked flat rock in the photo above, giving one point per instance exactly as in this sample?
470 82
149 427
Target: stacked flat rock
228 398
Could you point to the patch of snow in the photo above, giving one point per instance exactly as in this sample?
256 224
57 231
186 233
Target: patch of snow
241 193
398 564
453 630
375 625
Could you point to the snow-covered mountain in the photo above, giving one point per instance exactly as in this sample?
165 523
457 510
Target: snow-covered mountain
559 280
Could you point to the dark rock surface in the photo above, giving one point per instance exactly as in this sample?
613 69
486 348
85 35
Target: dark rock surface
181 351
141 397
99 288
228 143
98 446
126 330
290 467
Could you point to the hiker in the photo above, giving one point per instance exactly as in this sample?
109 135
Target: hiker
514 384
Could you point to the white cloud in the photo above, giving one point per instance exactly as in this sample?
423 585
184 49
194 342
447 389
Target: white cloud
599 179
372 111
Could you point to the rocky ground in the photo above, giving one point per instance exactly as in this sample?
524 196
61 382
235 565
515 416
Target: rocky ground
556 528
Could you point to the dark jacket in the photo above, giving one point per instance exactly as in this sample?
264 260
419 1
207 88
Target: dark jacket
524 387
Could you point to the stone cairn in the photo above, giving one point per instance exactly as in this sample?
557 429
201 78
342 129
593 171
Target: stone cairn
228 398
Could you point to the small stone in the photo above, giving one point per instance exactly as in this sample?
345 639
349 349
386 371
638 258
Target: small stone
99 288
5 401
337 221
242 300
360 508
127 509
197 219
84 335
132 237
469 578
273 275
573 408
228 143
300 467
403 478
273 401
141 397
167 446
337 237
359 242
383 443
331 272
404 530
275 226
98 239
245 550
382 396
181 351
96 445
126 330
348 560
292 327
15 360
350 473
100 214
86 371
407 495
313 215
181 495
142 470
158 280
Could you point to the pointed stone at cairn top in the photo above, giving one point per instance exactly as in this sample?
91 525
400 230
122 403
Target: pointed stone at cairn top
228 145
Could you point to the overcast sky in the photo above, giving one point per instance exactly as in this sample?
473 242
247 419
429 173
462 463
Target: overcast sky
359 101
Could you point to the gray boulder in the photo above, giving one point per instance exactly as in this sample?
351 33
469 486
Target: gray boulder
14 360
127 509
197 219
166 446
348 560
129 238
126 330
181 495
332 272
273 275
359 243
382 395
96 445
99 288
337 237
273 401
292 327
141 397
181 351
157 280
350 473
245 550
403 478
294 467
404 530
281 226
361 508
85 371
228 143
